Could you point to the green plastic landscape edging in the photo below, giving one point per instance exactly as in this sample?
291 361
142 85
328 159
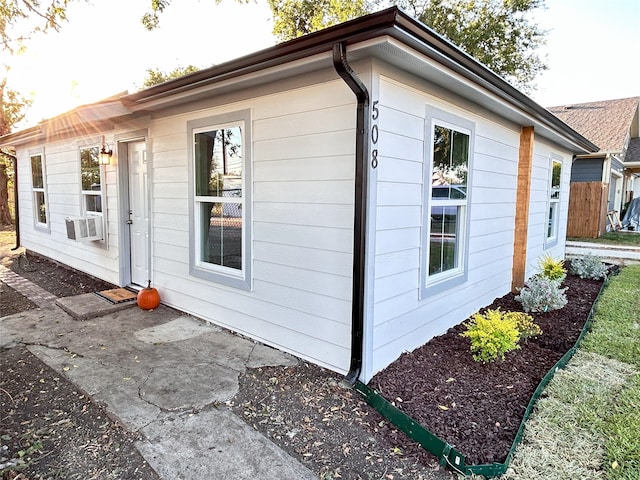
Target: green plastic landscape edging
445 452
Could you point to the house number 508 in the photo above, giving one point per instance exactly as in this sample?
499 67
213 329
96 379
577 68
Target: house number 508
374 134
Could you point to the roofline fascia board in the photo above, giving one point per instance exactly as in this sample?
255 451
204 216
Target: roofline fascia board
11 140
440 63
598 154
350 32
393 22
448 54
168 99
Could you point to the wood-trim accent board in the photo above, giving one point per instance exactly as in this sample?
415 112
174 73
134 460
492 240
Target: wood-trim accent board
523 196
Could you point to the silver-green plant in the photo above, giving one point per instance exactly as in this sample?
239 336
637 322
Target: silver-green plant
540 294
589 266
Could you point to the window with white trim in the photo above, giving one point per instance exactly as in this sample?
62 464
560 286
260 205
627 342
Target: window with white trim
554 199
38 187
450 145
91 179
220 244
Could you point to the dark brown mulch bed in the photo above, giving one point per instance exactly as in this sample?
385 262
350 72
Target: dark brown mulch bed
13 302
478 407
55 278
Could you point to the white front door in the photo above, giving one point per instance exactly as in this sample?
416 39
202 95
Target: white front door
138 213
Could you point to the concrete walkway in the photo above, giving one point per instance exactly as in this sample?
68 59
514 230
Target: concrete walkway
161 373
619 254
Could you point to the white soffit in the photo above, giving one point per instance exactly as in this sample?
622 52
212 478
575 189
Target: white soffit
406 58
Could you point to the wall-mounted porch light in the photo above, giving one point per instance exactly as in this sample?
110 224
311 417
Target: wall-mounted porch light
105 154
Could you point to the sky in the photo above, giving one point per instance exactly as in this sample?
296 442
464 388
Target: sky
592 49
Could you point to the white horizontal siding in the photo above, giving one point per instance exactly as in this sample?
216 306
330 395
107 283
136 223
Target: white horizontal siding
62 177
401 319
332 239
537 245
391 241
302 169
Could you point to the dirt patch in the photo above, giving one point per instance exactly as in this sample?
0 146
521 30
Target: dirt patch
13 302
48 428
51 430
309 413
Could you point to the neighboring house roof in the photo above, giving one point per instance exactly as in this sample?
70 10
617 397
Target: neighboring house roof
632 159
391 35
633 153
606 123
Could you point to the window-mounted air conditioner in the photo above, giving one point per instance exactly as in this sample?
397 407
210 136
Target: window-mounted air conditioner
83 229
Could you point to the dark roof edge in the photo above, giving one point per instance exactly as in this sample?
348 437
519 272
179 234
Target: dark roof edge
393 22
423 39
353 31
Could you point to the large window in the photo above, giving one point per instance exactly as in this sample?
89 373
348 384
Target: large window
446 203
91 180
220 244
554 199
38 186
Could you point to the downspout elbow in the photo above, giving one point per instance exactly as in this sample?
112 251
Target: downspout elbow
345 71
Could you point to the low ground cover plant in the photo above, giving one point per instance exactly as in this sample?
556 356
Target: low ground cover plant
494 333
540 294
589 266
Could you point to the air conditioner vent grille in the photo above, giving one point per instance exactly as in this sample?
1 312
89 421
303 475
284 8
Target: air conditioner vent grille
83 229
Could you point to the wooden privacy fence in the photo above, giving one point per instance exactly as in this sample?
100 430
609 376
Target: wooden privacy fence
587 209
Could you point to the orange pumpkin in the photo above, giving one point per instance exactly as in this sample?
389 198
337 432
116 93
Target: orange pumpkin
148 298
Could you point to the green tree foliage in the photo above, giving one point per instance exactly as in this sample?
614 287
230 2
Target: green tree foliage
156 76
13 107
294 18
12 110
151 19
30 16
498 33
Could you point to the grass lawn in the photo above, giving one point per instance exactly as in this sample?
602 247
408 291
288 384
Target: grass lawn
586 423
613 238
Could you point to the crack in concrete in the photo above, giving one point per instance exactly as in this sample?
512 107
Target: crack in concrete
51 347
249 356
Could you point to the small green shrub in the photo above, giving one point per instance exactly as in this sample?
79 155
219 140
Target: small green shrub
495 333
524 324
552 269
589 266
540 294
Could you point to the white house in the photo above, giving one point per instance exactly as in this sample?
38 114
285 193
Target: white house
344 196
